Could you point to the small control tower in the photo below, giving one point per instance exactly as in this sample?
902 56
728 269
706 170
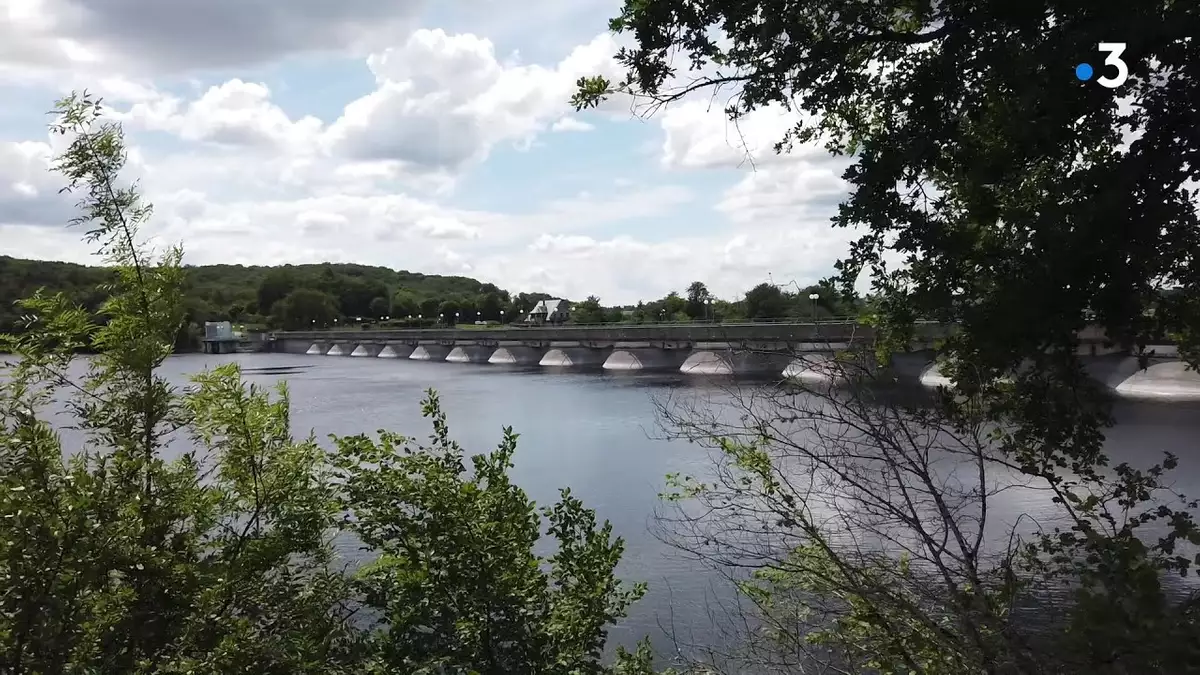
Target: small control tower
219 338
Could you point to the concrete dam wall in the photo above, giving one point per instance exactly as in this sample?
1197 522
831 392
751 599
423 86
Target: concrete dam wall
810 362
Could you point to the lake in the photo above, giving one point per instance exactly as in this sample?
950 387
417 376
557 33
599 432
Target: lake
594 432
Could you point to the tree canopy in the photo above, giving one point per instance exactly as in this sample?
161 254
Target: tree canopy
1024 205
1023 202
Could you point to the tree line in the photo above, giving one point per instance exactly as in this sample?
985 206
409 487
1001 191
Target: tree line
329 295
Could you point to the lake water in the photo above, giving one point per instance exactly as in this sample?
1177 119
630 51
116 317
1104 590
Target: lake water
593 432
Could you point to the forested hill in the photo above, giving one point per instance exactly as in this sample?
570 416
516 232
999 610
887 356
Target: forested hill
288 295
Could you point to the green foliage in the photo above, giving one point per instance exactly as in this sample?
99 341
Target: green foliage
457 584
116 559
588 311
125 553
306 308
1021 217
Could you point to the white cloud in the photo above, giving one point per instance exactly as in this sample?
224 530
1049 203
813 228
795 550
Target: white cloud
234 113
406 173
443 101
171 36
29 193
571 124
441 227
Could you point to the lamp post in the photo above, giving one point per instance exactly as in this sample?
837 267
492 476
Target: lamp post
814 297
456 315
708 313
501 317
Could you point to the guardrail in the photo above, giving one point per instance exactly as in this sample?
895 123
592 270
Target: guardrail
683 332
364 328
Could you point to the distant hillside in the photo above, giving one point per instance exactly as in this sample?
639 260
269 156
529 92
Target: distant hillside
278 296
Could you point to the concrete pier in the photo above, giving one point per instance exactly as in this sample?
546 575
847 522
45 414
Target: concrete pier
633 358
429 353
396 351
469 354
572 357
517 355
335 350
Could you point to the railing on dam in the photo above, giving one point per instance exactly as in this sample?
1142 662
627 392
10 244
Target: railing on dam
840 330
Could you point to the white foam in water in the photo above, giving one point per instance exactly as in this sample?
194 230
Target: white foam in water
360 351
388 353
315 349
335 350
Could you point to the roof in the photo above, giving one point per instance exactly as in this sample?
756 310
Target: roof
551 306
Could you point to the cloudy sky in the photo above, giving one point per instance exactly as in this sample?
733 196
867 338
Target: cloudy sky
433 137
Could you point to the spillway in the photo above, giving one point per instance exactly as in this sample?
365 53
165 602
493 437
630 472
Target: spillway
361 350
644 359
516 355
469 354
815 369
568 357
314 350
429 353
708 362
1166 380
395 352
335 350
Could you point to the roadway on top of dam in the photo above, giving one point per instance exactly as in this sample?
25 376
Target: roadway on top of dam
837 330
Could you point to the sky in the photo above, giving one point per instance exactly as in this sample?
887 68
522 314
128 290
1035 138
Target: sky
430 137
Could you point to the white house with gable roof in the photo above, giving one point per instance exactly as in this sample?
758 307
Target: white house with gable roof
554 310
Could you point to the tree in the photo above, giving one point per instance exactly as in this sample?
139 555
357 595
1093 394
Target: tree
673 305
429 307
765 301
588 311
116 558
113 558
274 287
306 307
490 305
404 304
698 298
479 600
1011 210
380 307
354 294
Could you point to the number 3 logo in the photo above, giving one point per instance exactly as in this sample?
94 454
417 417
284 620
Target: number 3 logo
1114 49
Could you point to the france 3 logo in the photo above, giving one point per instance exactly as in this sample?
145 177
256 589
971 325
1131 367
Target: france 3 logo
1084 71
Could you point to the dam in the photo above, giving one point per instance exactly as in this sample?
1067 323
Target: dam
804 351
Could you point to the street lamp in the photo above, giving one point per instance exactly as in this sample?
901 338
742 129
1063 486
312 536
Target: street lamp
501 317
708 309
814 297
456 315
